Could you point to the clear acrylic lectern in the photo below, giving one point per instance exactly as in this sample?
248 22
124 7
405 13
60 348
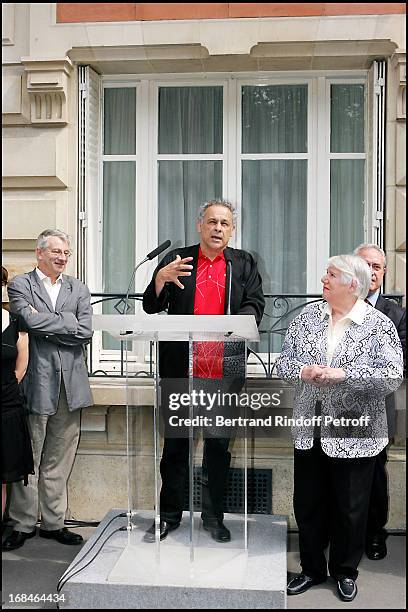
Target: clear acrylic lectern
221 338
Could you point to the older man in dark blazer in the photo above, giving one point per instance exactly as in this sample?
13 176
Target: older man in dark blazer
376 547
196 280
57 312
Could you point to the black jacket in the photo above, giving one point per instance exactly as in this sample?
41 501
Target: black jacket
246 298
397 316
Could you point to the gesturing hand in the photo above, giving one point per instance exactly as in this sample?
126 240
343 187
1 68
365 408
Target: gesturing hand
171 273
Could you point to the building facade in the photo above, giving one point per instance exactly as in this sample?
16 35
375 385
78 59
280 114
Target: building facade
119 119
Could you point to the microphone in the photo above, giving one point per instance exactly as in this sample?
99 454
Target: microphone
162 247
229 275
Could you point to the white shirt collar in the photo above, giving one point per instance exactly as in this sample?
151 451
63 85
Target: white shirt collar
356 314
373 297
43 277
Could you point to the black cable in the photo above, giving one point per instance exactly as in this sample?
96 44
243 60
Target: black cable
61 581
75 523
123 515
391 532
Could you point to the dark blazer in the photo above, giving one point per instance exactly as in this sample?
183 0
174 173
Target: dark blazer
246 298
398 317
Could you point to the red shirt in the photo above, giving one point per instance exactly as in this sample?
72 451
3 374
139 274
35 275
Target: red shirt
209 299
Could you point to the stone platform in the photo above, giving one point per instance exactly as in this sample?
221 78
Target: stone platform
131 574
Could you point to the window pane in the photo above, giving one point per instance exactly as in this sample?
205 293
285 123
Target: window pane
119 182
346 205
347 118
274 119
190 120
183 186
274 229
120 121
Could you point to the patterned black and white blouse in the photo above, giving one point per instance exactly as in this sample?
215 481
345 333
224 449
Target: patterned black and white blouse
370 353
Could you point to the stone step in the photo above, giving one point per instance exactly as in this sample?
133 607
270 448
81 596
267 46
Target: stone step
130 574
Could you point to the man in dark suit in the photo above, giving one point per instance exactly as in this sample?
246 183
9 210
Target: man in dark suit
196 280
376 547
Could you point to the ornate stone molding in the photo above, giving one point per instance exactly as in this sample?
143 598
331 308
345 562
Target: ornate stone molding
399 63
8 23
47 87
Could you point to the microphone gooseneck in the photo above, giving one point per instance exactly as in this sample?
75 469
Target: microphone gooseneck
162 247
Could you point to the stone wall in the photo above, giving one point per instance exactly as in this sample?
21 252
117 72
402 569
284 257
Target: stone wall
395 236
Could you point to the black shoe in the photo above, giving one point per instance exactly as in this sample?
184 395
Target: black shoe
301 583
376 549
347 589
16 539
165 528
218 531
63 536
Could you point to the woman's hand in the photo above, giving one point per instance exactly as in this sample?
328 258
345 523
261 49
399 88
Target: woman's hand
312 374
322 376
330 376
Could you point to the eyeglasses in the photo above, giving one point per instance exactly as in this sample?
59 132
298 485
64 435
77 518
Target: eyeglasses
375 267
59 253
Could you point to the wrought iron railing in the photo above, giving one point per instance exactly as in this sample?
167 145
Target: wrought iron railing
279 312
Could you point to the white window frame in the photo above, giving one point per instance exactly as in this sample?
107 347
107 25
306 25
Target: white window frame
147 157
109 357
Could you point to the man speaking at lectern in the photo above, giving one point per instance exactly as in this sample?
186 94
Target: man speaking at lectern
205 279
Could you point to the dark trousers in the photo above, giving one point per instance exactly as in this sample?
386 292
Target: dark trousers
174 473
331 498
378 507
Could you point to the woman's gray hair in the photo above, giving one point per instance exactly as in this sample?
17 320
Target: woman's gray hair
43 237
217 202
366 245
353 267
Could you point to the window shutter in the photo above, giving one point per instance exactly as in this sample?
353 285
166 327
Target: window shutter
376 174
89 112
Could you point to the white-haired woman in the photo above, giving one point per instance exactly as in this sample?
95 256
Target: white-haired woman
344 357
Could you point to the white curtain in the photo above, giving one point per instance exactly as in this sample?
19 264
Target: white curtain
274 221
183 186
274 119
119 134
274 191
119 197
346 205
346 175
347 118
190 122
